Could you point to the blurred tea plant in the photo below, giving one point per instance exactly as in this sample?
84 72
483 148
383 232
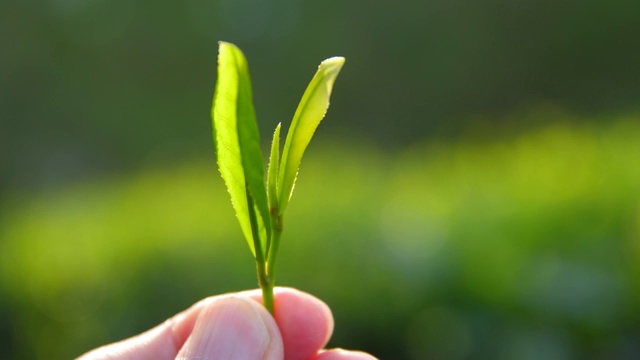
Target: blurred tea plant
520 247
258 200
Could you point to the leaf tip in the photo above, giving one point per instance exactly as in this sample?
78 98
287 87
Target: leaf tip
332 64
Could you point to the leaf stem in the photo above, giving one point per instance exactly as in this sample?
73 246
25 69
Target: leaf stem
263 277
276 228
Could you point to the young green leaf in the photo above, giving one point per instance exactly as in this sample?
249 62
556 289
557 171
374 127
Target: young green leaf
238 145
310 111
272 172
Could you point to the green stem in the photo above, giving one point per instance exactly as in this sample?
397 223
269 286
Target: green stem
263 277
277 227
267 288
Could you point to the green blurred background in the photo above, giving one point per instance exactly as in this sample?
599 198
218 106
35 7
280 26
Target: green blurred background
474 192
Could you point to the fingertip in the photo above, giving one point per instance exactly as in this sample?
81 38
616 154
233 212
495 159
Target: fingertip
233 328
313 310
341 354
305 322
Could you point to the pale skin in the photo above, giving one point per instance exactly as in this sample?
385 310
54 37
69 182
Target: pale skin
237 326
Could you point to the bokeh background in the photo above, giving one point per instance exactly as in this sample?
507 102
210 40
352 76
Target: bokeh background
474 192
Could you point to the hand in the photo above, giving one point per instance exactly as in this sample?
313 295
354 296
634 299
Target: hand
236 326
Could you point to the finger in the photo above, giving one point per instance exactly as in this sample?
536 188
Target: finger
340 354
305 322
165 340
233 328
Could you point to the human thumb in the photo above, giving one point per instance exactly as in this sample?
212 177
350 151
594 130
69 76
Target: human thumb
233 328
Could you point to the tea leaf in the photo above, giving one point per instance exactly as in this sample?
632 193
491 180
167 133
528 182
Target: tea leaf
238 144
272 172
310 111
